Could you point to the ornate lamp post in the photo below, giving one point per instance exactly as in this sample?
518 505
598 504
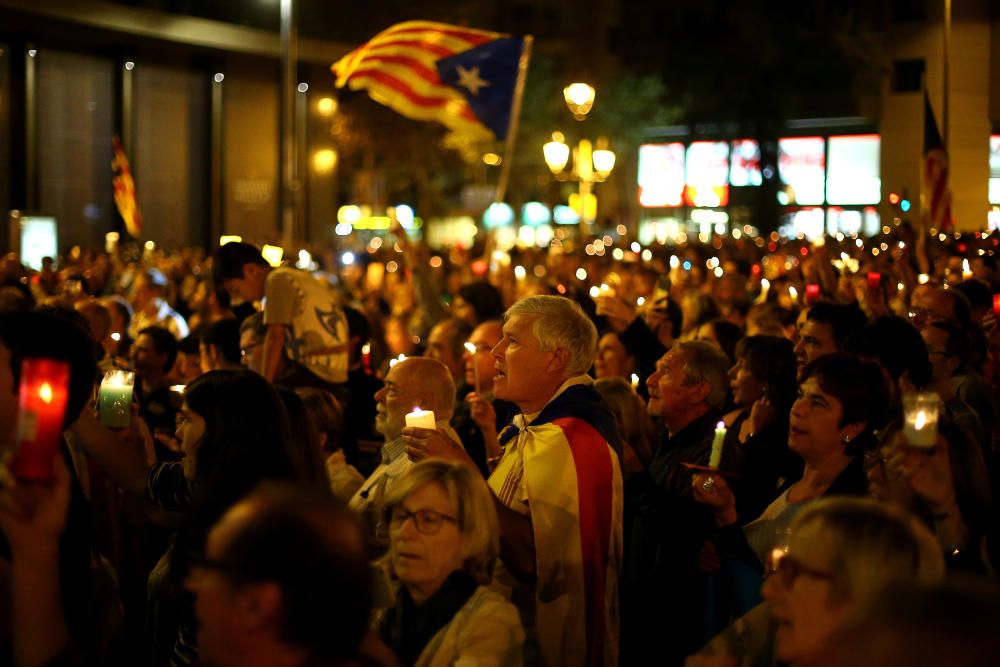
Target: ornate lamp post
589 165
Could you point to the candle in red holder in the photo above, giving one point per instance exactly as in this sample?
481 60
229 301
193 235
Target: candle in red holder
874 280
40 412
996 305
812 292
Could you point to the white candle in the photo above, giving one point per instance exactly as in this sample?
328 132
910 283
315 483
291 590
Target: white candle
635 381
475 366
920 419
421 419
720 435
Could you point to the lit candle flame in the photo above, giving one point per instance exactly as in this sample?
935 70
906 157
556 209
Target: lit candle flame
45 392
921 420
635 380
470 347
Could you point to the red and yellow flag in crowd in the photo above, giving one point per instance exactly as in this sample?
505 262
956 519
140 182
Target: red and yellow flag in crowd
463 78
937 194
124 187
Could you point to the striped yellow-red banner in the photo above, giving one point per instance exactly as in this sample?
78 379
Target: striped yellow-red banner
397 68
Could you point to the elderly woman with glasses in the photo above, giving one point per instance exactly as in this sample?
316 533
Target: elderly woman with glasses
443 544
841 554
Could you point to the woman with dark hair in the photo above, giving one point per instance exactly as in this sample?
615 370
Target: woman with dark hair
235 433
762 382
841 401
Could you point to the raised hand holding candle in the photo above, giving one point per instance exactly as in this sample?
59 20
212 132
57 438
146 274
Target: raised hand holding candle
41 408
471 349
920 419
421 419
114 401
720 434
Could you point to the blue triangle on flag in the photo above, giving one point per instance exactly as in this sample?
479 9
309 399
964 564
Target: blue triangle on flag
486 75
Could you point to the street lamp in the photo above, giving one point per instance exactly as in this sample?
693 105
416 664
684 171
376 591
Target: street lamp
590 165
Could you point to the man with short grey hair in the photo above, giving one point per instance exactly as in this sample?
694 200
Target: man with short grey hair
558 486
662 583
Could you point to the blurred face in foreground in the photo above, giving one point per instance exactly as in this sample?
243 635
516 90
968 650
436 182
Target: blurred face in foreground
805 603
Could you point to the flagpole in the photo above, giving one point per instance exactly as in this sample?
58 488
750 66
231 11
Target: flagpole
515 119
947 49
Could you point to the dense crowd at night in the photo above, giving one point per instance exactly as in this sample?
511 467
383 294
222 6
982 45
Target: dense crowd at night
722 450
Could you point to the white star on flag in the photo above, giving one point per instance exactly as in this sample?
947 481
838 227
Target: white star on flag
469 79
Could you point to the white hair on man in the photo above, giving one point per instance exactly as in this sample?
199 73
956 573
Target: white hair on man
560 323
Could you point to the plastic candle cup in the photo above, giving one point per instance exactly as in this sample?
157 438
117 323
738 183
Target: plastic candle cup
996 305
920 419
421 419
874 280
720 435
114 403
471 349
41 408
812 292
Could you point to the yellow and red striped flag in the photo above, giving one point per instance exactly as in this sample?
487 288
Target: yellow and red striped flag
124 188
463 78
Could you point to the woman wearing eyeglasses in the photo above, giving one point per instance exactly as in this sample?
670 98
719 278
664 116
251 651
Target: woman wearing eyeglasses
443 544
841 554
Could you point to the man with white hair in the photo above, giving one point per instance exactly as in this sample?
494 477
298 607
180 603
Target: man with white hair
558 487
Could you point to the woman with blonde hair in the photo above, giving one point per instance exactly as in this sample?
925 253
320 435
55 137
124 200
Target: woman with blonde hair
841 554
444 541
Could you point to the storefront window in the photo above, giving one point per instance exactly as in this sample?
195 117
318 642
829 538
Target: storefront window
801 166
661 175
853 175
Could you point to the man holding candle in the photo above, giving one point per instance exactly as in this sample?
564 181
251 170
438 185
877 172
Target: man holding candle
414 384
478 414
558 487
663 586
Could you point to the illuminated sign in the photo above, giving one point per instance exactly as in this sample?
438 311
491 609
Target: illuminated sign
995 168
39 238
744 167
801 165
853 175
707 169
661 175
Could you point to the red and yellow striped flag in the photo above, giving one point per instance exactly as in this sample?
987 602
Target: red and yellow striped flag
402 67
124 188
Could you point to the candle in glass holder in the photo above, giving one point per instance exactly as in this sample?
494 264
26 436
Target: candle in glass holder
41 409
421 419
114 401
874 280
720 434
920 419
996 305
471 349
812 292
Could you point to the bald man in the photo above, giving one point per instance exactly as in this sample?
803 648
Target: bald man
414 383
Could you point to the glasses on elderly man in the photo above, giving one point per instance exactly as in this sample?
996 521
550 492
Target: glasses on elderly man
427 522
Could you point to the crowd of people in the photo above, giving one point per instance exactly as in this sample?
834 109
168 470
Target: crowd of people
705 452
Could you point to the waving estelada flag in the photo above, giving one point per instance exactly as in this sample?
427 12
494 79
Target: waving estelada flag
124 187
937 194
463 78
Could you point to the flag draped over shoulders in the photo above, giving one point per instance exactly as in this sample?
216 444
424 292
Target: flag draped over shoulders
574 488
461 77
